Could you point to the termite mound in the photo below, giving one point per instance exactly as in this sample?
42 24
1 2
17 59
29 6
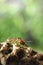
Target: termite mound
11 53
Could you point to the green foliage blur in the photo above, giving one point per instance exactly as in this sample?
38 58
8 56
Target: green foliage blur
26 23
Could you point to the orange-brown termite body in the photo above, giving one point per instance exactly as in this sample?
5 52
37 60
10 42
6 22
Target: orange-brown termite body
17 41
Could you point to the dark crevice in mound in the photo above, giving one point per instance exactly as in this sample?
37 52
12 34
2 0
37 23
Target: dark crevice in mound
33 52
20 53
41 58
11 60
8 51
33 62
28 61
0 45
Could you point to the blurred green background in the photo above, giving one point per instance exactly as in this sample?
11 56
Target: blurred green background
22 18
